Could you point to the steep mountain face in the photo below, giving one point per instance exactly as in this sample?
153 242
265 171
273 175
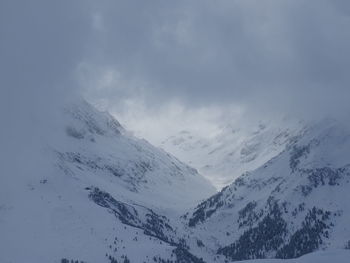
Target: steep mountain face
97 146
294 204
233 151
96 194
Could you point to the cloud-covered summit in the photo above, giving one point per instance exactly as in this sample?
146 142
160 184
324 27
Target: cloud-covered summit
261 56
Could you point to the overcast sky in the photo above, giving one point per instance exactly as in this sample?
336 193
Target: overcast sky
166 65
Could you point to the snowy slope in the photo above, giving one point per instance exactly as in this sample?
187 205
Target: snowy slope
233 150
294 204
338 256
99 149
84 189
87 190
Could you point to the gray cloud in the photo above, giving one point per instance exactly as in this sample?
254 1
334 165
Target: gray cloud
41 43
163 66
261 55
279 55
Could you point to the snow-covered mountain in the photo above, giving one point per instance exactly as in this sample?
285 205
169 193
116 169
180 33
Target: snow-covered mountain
233 150
98 146
86 190
96 194
338 256
294 204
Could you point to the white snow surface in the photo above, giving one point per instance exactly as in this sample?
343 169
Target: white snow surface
143 173
45 210
331 256
85 189
233 150
313 172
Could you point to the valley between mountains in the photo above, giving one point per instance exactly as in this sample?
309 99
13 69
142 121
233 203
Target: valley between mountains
98 194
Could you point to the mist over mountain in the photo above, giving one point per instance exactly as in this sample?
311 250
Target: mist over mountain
234 149
152 131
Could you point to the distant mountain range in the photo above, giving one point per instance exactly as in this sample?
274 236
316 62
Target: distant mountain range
233 150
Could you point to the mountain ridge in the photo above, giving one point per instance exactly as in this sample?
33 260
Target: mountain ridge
223 157
292 205
98 194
